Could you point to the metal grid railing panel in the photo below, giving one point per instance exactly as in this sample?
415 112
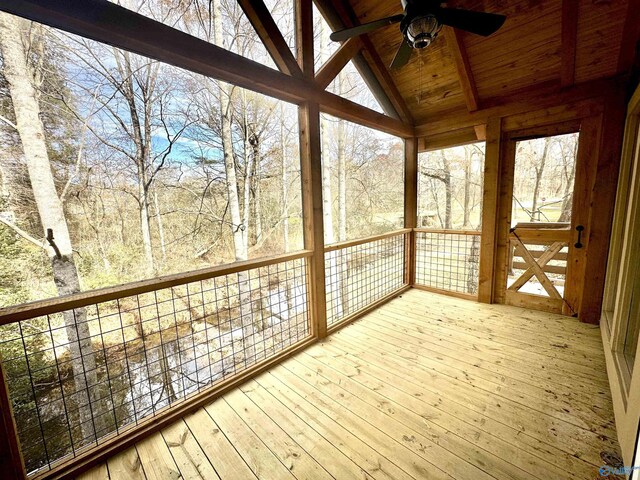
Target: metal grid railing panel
357 276
76 376
448 261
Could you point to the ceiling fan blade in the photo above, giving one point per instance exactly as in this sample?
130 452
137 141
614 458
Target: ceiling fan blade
480 23
402 55
341 35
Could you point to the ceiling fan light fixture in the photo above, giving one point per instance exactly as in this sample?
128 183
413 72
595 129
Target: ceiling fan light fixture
422 31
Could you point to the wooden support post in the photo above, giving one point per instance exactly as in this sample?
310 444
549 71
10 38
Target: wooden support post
11 464
311 173
602 205
410 205
490 204
304 36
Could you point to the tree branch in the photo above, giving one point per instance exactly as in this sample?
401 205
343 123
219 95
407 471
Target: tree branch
23 234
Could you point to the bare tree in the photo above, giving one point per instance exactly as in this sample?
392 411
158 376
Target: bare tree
538 167
21 78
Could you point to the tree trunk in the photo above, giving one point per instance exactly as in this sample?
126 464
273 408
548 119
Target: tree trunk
446 179
468 154
285 183
536 187
163 247
91 409
141 138
255 182
567 202
342 209
238 226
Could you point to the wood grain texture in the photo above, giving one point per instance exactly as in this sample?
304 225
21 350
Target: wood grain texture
569 41
426 386
260 18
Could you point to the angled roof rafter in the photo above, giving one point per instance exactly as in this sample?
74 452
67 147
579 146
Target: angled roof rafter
271 36
339 15
465 75
337 61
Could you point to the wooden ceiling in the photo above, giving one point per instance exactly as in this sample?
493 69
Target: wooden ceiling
542 43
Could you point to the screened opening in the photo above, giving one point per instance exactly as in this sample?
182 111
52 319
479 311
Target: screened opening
449 218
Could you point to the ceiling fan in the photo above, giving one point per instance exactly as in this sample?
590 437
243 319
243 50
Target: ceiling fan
421 22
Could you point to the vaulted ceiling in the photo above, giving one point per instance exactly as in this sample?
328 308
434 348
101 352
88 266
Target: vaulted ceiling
543 43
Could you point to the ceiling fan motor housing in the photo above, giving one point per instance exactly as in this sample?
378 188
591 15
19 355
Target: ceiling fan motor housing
421 31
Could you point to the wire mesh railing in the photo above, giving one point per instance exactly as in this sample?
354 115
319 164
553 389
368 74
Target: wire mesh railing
88 366
361 272
448 260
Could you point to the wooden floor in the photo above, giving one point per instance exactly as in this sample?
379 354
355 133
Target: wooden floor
427 387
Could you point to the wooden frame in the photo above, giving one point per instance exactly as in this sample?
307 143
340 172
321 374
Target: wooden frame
411 206
270 35
82 299
569 41
339 15
597 118
109 23
621 280
361 241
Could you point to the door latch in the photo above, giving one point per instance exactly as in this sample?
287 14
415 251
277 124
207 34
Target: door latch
580 229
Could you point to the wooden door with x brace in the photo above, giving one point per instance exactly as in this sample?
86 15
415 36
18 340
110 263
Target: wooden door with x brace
544 214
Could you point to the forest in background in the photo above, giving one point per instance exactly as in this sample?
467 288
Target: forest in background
159 170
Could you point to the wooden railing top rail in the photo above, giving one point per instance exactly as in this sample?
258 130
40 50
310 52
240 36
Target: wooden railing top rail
447 231
362 241
545 235
82 299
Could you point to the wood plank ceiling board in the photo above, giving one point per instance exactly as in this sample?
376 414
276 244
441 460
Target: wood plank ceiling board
524 52
429 81
600 26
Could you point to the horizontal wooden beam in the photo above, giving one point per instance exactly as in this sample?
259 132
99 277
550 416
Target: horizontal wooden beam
337 61
454 138
271 36
112 24
531 99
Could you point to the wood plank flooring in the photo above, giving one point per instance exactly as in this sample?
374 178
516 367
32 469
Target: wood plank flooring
425 387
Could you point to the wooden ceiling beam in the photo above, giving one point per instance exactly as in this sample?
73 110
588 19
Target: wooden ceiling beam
531 99
338 15
337 61
271 36
465 75
569 42
381 72
106 22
